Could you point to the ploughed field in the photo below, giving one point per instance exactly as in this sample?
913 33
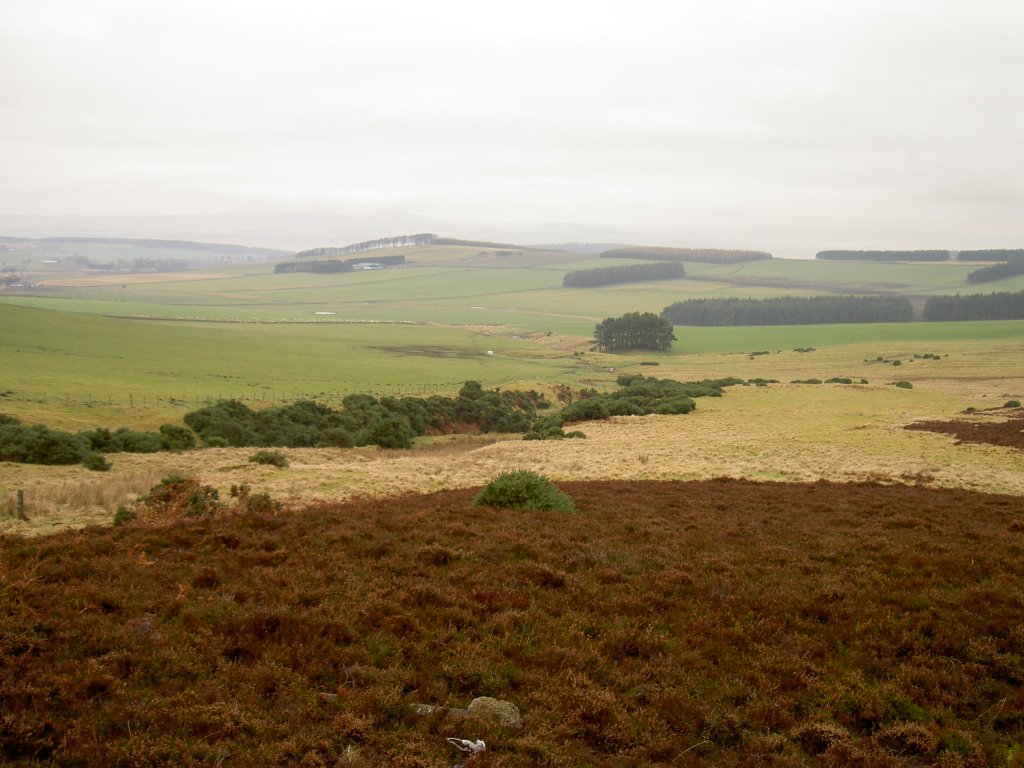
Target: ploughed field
720 622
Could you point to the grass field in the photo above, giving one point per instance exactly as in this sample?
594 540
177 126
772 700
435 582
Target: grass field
461 285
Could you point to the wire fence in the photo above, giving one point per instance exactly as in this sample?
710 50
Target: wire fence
260 397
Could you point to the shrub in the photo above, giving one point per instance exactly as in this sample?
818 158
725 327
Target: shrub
124 515
389 432
275 458
1011 404
39 445
175 438
176 495
903 384
523 489
96 462
336 437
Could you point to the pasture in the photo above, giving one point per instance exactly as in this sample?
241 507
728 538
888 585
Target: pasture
459 285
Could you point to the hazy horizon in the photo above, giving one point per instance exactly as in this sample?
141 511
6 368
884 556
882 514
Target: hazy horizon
791 127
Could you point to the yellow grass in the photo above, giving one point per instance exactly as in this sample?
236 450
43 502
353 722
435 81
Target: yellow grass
780 432
134 279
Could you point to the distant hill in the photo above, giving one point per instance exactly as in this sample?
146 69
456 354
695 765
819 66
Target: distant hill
243 251
400 241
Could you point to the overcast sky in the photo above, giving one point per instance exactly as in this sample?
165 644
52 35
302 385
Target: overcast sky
854 123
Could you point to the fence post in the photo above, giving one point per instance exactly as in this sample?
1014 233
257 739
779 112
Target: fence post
20 506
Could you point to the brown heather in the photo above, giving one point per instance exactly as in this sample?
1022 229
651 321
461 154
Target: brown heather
720 622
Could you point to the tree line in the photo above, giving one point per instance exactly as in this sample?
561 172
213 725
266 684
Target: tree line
634 273
424 238
702 255
790 310
984 306
634 331
922 255
330 266
996 272
399 241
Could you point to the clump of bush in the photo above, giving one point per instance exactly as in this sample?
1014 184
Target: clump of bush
96 462
389 422
523 489
124 515
273 458
902 384
38 444
177 496
553 433
1011 404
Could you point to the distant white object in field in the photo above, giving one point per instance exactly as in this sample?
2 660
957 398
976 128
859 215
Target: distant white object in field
323 313
489 352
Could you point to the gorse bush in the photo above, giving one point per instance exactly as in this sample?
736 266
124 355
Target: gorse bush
273 458
177 496
523 489
389 422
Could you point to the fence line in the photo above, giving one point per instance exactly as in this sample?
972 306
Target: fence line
144 401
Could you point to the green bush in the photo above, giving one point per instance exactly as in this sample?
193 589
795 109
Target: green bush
124 515
336 437
523 489
177 495
389 432
1011 404
274 458
176 438
903 384
96 462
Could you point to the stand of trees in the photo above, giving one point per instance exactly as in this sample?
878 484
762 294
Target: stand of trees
424 238
996 272
329 266
585 278
634 331
703 255
790 310
985 306
927 255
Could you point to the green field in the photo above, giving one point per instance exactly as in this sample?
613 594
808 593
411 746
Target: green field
459 285
85 345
